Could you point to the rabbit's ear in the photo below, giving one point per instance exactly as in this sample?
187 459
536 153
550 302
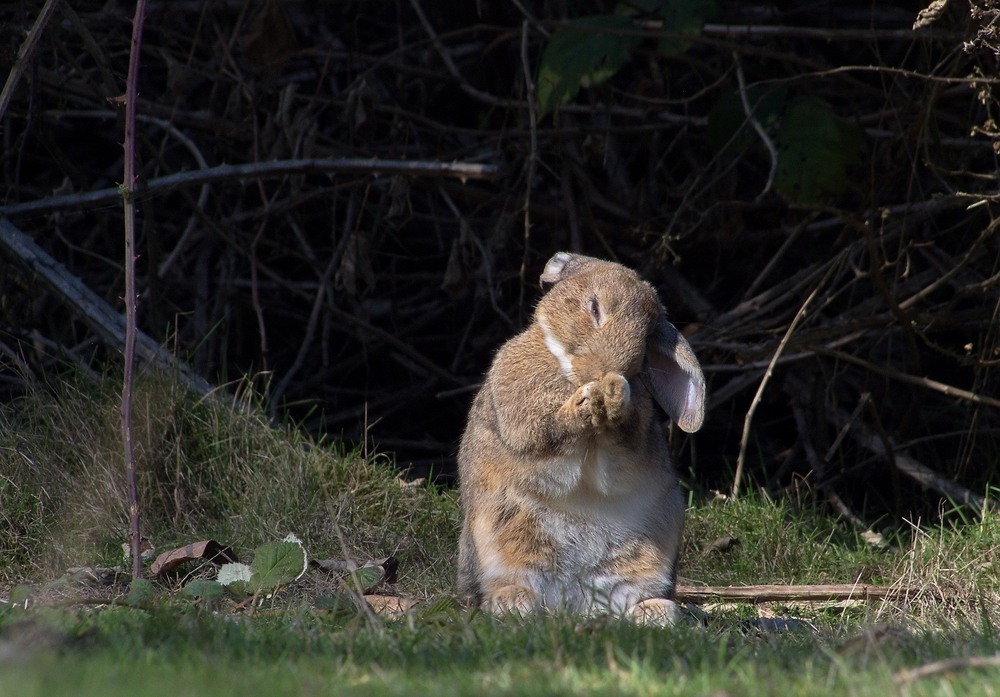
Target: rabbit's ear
676 379
562 265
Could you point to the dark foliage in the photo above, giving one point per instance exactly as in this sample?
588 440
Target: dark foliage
369 305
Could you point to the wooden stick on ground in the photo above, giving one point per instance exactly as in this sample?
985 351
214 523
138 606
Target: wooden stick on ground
782 593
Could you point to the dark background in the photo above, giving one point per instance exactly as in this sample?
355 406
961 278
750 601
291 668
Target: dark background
367 306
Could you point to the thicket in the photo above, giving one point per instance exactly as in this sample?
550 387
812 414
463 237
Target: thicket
350 202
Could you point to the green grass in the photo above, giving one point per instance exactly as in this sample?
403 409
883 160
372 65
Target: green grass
212 470
178 650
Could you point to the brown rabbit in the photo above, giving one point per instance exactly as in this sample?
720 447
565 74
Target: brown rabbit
569 497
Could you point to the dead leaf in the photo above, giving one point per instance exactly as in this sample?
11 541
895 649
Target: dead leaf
93 576
459 272
146 549
269 42
390 605
386 568
722 544
209 550
872 637
930 14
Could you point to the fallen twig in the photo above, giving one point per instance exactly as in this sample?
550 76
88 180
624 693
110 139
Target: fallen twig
782 593
948 665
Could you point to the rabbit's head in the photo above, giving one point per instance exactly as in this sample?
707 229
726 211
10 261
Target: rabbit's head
599 317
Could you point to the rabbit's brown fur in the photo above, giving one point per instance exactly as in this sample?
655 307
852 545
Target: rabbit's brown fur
569 497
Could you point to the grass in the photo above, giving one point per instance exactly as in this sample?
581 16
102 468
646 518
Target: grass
219 470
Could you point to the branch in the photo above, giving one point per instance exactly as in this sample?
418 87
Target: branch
262 170
892 374
741 458
781 593
913 469
765 138
24 53
100 318
127 192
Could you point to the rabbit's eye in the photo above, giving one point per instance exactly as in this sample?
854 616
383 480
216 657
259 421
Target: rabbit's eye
595 311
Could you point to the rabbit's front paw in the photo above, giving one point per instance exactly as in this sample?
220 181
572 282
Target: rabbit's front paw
616 395
512 600
609 400
600 404
658 612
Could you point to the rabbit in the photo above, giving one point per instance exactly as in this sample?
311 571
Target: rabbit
568 495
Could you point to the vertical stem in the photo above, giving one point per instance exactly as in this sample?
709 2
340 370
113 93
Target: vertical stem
529 87
25 52
131 297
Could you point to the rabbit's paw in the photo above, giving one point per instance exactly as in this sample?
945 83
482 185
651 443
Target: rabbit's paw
608 401
657 612
512 600
616 397
578 409
600 404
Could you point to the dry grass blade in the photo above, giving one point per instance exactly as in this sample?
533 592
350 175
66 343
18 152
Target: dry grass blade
950 665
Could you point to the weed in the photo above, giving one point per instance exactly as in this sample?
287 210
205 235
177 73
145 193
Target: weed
219 469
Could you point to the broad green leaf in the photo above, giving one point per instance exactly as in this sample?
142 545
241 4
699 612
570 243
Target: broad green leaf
21 594
340 605
582 55
685 17
367 577
729 131
276 564
816 150
140 591
204 590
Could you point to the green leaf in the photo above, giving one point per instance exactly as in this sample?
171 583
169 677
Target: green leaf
729 131
140 592
584 54
367 577
21 594
339 604
276 564
204 590
685 17
816 151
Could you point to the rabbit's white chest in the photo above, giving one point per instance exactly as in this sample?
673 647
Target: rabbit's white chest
595 468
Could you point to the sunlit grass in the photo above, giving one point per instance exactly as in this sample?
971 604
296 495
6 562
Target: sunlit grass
212 468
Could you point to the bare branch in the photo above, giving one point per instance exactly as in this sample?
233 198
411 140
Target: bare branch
262 170
24 53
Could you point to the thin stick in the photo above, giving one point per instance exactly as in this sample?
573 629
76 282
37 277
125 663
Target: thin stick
24 54
529 87
261 170
748 110
741 459
927 383
131 297
781 593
